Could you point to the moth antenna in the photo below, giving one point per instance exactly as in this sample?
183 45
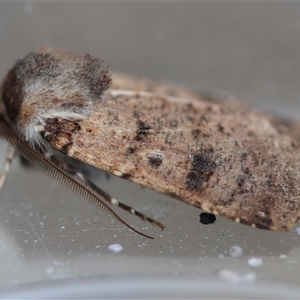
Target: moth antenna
115 202
8 161
58 174
73 171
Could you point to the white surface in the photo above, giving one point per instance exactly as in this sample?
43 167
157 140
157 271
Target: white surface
47 233
150 287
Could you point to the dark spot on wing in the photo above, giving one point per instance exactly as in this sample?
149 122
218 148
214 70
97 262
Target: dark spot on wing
130 151
142 131
201 170
221 128
126 176
155 160
66 147
241 180
173 124
58 132
196 134
244 156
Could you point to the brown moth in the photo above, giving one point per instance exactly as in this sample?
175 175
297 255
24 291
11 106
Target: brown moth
219 157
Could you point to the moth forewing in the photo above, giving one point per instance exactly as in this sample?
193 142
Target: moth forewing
228 162
222 158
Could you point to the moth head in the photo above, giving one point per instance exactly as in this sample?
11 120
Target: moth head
52 83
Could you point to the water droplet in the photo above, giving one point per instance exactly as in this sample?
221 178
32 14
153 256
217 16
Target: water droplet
237 277
115 248
255 262
236 251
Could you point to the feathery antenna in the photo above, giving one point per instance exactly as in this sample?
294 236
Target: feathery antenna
57 174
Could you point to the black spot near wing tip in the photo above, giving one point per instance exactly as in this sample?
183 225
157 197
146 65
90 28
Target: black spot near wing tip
203 167
142 130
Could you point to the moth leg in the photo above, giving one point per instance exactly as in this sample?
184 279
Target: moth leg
8 161
73 171
115 202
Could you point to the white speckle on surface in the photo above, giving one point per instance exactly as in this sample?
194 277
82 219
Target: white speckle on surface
115 248
236 251
255 262
298 230
237 277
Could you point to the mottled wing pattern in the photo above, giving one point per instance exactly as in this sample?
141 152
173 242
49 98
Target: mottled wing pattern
226 161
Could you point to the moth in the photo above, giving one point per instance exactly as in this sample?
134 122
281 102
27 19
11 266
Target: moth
58 108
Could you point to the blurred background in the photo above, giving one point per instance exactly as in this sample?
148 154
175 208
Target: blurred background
48 235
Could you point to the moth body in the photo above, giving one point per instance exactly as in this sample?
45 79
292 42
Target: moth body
220 157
